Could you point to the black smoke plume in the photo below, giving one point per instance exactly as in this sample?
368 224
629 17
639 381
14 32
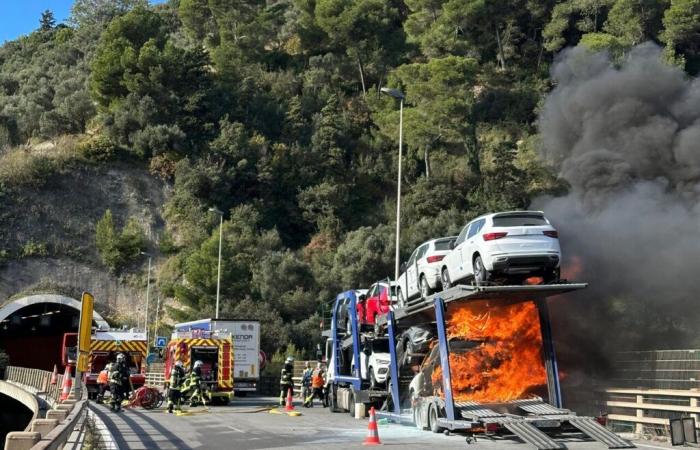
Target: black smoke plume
625 135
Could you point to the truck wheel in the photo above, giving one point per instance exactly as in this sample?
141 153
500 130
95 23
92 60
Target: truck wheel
351 406
332 399
433 419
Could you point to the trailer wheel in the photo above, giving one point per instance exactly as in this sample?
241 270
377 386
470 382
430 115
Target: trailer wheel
433 419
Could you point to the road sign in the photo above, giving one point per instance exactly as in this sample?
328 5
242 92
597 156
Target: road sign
161 341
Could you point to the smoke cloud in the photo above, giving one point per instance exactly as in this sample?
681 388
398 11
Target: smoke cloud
626 137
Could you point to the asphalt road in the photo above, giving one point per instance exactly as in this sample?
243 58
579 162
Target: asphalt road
238 426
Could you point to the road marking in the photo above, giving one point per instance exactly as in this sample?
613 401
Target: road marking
650 446
235 429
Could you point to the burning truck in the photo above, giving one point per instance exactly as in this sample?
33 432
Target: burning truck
475 359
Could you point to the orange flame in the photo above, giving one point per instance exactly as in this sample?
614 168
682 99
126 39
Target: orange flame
507 364
573 268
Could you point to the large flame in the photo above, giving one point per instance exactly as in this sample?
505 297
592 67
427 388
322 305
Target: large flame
507 364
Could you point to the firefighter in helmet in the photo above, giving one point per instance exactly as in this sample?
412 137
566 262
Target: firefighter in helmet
115 388
286 382
123 369
195 384
177 378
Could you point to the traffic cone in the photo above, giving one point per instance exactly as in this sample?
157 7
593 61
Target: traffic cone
372 431
67 384
290 401
54 375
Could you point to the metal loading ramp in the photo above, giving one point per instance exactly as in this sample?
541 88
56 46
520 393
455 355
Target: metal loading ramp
598 432
537 410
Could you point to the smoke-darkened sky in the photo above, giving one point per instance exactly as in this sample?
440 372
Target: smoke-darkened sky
626 137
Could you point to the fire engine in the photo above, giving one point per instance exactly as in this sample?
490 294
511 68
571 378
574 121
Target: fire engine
104 348
214 349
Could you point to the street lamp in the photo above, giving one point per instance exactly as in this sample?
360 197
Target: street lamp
218 276
400 96
148 290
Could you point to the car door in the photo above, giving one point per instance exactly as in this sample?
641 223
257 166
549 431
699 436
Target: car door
454 258
410 287
470 246
413 282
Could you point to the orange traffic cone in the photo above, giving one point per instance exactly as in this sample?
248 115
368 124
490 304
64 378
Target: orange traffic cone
54 375
290 401
372 431
67 384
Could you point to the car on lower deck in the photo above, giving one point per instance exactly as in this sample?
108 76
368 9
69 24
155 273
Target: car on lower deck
420 275
507 246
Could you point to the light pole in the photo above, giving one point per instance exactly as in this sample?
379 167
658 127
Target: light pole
400 96
148 291
218 275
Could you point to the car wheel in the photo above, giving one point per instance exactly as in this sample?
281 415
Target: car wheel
425 290
446 282
481 275
433 419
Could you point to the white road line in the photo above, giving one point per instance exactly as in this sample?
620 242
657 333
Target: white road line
235 429
650 446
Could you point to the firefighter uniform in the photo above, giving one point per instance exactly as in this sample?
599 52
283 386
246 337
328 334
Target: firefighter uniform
177 378
194 385
115 388
286 382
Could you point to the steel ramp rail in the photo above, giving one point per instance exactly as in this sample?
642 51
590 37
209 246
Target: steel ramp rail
540 408
530 434
476 411
598 432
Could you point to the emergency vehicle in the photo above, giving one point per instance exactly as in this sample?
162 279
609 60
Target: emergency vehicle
104 348
214 349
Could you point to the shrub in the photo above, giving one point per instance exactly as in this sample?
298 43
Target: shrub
97 148
118 249
32 248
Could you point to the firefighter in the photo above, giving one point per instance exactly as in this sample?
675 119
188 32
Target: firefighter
306 383
286 382
195 384
123 368
115 388
103 383
177 378
317 383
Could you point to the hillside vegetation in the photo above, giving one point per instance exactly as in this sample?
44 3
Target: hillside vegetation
271 111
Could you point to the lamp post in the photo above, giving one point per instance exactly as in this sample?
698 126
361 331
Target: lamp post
395 93
218 275
148 291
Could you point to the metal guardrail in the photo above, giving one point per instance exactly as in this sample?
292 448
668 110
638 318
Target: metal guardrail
651 408
39 380
68 433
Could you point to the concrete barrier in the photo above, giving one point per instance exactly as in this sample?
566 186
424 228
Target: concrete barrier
57 414
43 426
21 440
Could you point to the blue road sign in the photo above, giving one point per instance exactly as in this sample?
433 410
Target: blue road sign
161 341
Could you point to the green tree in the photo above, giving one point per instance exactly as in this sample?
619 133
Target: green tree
87 13
681 33
47 21
118 248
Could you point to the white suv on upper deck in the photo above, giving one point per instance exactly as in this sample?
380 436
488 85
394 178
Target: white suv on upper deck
420 276
514 244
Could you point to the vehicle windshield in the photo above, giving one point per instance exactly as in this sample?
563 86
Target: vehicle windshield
444 244
519 220
380 346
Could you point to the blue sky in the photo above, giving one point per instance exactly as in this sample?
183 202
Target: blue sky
18 17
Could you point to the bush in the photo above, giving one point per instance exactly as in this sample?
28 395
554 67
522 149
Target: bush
32 248
118 249
97 149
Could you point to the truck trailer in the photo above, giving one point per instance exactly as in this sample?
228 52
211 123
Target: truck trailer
460 377
246 348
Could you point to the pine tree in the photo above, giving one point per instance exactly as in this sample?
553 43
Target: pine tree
47 21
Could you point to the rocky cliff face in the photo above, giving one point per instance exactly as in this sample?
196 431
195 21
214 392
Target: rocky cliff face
48 234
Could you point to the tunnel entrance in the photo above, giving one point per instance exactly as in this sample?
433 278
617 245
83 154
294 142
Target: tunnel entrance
32 329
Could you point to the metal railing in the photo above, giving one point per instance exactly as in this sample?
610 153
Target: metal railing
68 433
648 411
38 380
